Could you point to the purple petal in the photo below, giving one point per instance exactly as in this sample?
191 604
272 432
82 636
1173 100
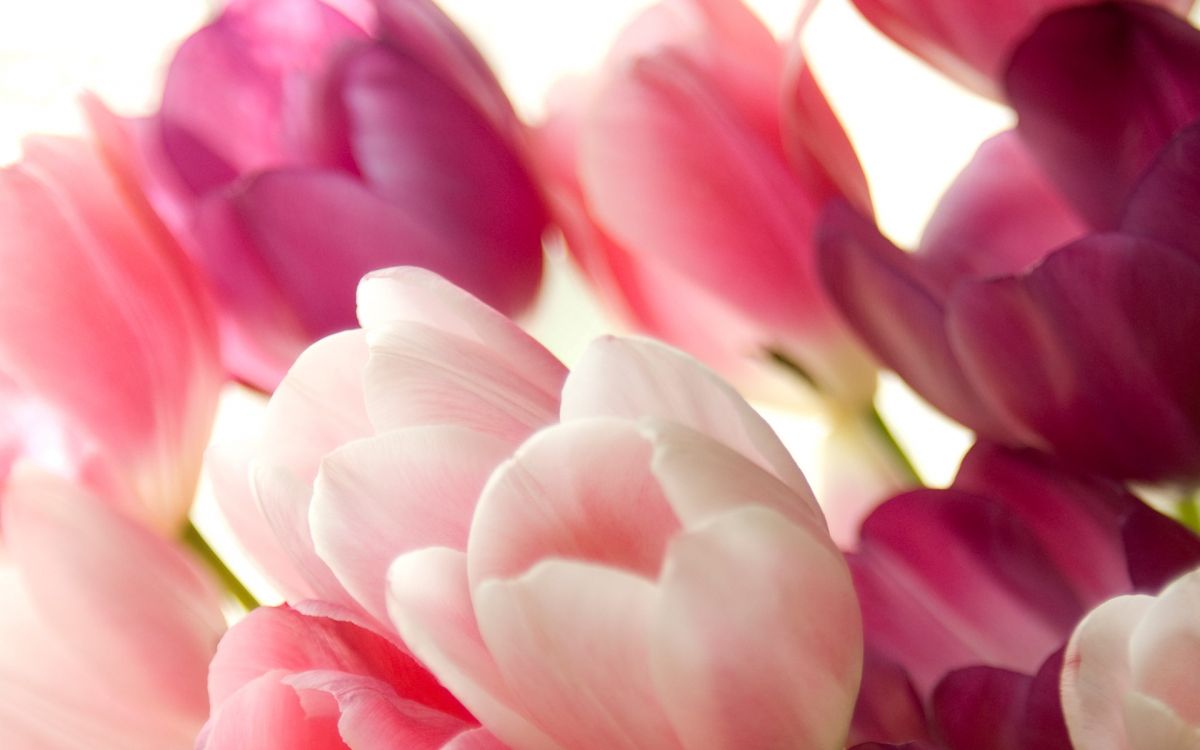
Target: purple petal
1093 353
1099 90
1165 205
1158 549
888 708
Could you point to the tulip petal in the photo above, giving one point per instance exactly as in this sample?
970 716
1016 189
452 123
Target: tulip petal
549 500
268 715
1151 725
78 557
90 287
981 708
237 69
1100 89
948 580
1096 672
588 698
418 375
898 309
639 379
282 638
1157 548
420 296
421 146
999 216
429 600
1091 353
1165 649
794 679
1163 206
382 496
888 707
475 739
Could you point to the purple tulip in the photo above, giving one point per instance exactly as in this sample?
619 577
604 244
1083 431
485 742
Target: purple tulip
294 152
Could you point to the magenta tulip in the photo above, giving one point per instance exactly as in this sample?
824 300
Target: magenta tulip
108 363
294 151
687 176
310 677
1130 677
970 41
107 628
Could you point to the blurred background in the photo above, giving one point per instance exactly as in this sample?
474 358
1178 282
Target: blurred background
913 131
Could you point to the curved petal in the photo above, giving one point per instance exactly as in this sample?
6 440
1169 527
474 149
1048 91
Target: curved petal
382 496
475 739
981 708
1163 205
1099 90
1096 673
1158 549
1164 650
549 500
420 296
636 379
999 216
429 600
424 148
271 639
1091 353
586 698
764 673
1150 725
79 559
94 285
420 375
268 714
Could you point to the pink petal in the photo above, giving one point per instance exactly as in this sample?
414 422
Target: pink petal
1151 725
1164 650
1158 549
281 638
549 500
93 286
1160 206
1090 353
1096 672
379 497
999 216
50 699
269 715
702 478
475 739
430 604
763 673
420 296
673 170
418 375
78 558
1099 90
428 151
586 698
636 379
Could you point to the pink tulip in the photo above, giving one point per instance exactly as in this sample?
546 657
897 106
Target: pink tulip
971 41
107 628
295 151
632 583
1131 676
687 176
310 678
108 367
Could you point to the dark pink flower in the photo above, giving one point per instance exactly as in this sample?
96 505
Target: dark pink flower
295 152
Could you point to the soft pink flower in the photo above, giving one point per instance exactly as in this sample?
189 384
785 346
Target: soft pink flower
296 150
312 678
687 175
1131 675
107 629
108 364
970 41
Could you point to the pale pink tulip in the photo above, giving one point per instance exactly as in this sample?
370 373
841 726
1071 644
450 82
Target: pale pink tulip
108 368
631 583
1131 675
687 175
310 677
107 629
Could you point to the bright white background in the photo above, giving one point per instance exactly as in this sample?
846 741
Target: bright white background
913 130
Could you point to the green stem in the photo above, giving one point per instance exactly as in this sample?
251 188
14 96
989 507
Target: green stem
1188 513
193 539
887 439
